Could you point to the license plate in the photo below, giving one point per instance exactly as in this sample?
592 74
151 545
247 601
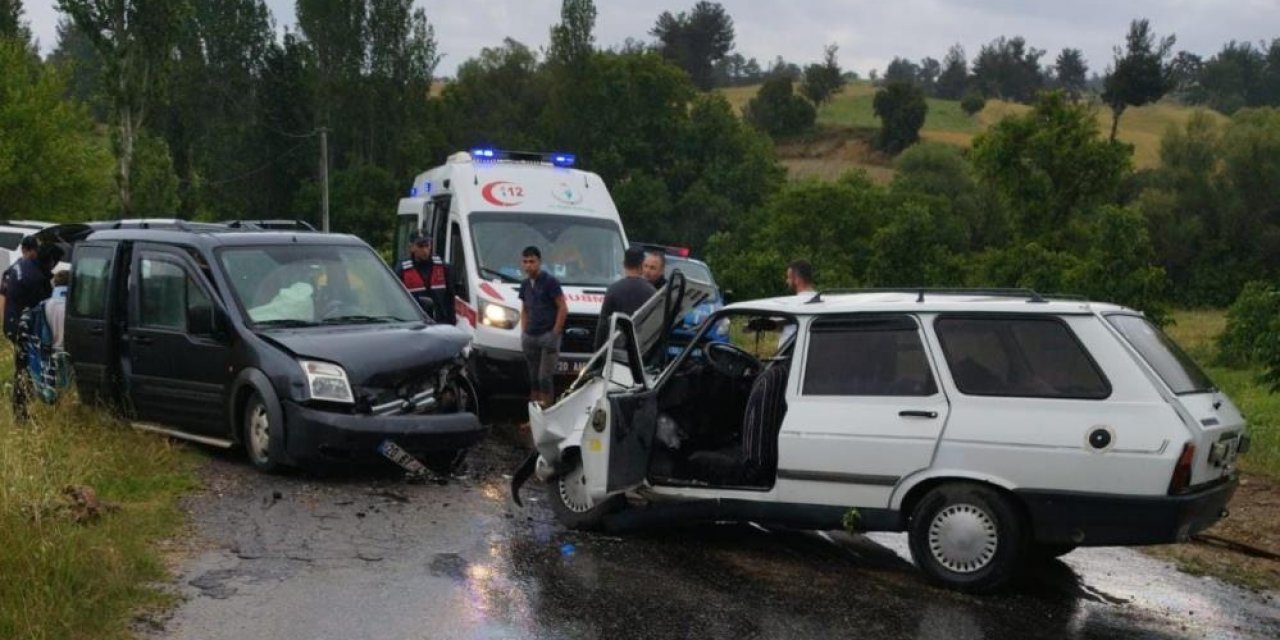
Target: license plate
398 455
570 366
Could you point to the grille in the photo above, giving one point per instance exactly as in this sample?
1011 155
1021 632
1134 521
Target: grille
579 334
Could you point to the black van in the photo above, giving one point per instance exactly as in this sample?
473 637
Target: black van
303 347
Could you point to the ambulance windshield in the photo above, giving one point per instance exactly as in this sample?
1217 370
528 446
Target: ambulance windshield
576 250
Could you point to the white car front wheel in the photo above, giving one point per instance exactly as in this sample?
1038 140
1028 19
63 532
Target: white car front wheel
573 505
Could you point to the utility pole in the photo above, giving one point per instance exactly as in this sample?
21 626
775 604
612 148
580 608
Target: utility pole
324 179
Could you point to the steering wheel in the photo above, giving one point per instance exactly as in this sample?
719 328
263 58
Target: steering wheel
731 360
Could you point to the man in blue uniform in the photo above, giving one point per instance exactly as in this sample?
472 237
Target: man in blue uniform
24 285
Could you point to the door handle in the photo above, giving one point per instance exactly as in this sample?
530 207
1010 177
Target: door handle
918 414
142 340
96 331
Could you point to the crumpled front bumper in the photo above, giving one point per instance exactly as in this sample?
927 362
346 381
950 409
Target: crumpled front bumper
313 434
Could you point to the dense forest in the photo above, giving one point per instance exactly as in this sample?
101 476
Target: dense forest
204 109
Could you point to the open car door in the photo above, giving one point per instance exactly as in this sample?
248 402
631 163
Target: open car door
656 318
617 443
614 387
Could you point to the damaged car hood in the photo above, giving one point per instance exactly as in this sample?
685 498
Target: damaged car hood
375 355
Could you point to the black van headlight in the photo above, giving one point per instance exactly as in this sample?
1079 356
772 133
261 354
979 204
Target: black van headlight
326 382
496 315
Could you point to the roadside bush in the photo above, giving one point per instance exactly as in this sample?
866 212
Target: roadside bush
972 103
778 111
1250 324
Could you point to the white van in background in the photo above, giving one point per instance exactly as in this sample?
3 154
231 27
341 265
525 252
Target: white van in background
483 208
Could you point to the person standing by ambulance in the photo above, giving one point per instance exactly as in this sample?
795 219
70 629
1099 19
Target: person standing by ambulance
543 312
427 277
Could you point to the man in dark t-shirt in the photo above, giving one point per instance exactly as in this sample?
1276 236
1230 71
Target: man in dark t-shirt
626 295
543 312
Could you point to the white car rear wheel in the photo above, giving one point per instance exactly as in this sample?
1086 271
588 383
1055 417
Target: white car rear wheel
967 537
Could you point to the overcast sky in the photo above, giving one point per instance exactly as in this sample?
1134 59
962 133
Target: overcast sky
869 32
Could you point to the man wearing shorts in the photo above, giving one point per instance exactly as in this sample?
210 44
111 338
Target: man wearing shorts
542 316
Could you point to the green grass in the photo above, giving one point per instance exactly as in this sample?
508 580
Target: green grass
61 579
1197 332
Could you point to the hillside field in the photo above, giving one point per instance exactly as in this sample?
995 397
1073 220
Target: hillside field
846 127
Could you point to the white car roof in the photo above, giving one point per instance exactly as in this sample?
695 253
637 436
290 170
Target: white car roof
909 301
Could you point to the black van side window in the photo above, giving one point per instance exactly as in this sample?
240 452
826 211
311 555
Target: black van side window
1019 356
168 293
867 356
90 274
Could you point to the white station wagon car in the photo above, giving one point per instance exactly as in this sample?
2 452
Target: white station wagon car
995 427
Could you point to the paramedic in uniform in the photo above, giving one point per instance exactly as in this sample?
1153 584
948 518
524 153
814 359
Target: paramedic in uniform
427 276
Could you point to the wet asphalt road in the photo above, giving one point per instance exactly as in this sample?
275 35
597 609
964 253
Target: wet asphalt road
367 555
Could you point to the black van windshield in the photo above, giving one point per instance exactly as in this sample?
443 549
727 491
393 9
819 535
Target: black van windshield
1170 362
307 285
576 250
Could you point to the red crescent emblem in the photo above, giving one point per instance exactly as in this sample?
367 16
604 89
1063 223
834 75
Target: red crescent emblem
502 193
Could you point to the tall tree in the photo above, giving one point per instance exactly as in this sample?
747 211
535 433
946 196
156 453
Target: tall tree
1051 166
1071 73
1142 72
11 24
901 108
52 166
696 40
822 81
1231 79
953 82
901 70
777 110
927 77
573 40
1185 70
134 39
1008 69
75 56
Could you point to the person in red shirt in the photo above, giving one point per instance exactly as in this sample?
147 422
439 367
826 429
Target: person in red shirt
427 277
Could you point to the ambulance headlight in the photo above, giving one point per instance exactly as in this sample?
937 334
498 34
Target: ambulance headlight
326 382
497 316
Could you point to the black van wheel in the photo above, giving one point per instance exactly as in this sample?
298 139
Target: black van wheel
259 432
967 537
572 505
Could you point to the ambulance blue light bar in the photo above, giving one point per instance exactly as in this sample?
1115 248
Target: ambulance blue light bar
559 159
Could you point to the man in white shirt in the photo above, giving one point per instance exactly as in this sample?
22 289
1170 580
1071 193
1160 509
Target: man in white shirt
800 282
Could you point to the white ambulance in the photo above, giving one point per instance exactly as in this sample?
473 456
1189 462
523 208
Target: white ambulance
483 208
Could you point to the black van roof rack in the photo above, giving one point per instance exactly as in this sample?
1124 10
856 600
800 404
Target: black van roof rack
1029 294
279 224
192 225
